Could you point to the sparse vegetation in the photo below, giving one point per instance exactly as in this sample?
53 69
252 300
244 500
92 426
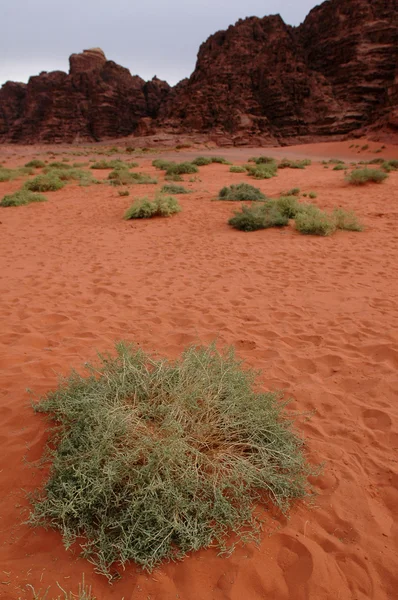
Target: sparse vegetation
241 191
21 198
339 167
346 220
109 164
162 206
125 177
293 192
174 177
174 189
262 170
258 216
364 176
310 220
294 164
182 169
123 193
161 164
390 165
237 169
262 160
10 174
45 183
84 593
35 164
152 459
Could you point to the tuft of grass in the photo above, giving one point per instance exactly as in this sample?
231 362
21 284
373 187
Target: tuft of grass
123 193
124 177
262 160
313 195
310 220
174 189
110 164
262 171
35 164
21 198
237 169
11 174
364 176
346 220
152 459
84 593
162 206
294 164
173 177
182 168
241 191
258 216
293 192
45 183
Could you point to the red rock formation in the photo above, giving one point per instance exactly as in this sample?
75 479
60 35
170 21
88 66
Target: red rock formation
96 100
260 81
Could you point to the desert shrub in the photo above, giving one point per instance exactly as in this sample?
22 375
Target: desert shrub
220 160
313 195
173 177
363 176
339 167
45 183
174 189
376 161
288 206
124 193
162 206
21 197
241 191
262 171
10 174
59 165
162 164
310 220
109 164
237 169
124 177
294 164
201 161
182 168
336 161
346 220
293 192
390 165
262 160
35 164
153 459
365 147
258 216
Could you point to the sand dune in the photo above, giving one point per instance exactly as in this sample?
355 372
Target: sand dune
319 316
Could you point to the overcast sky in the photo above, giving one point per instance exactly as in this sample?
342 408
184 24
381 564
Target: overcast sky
149 37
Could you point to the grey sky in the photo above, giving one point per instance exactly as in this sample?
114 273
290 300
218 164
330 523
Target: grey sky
149 37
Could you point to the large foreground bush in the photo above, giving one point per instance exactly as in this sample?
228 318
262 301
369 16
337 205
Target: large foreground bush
152 459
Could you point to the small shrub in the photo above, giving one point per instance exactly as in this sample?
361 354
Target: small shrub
182 169
161 164
174 177
346 220
262 160
262 171
364 176
390 165
288 206
377 161
174 189
294 164
339 167
241 191
202 161
365 147
258 216
124 177
124 193
336 161
162 206
35 164
220 160
313 195
109 164
293 192
237 169
21 197
310 220
10 174
45 183
59 165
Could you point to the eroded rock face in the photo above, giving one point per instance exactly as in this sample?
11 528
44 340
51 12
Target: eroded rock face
98 99
332 75
260 81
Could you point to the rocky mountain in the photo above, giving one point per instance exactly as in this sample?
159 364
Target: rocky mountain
260 81
96 100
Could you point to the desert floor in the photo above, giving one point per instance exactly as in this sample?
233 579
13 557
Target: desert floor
318 316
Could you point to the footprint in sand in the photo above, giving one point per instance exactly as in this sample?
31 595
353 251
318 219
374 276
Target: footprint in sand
376 419
296 563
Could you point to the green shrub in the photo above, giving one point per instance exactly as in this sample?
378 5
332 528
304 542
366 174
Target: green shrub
339 167
163 165
313 195
336 161
152 459
174 189
294 164
202 161
376 161
45 183
109 164
59 165
124 177
21 197
288 206
346 220
241 191
35 164
173 177
258 216
293 192
363 176
390 165
365 147
182 169
262 171
262 160
162 206
237 169
10 174
310 220
124 193
220 160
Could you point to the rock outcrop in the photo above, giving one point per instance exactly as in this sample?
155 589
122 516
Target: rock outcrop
98 99
260 81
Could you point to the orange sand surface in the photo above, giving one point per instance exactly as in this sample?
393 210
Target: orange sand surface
319 316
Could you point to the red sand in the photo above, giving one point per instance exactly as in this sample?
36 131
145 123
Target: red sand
318 315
